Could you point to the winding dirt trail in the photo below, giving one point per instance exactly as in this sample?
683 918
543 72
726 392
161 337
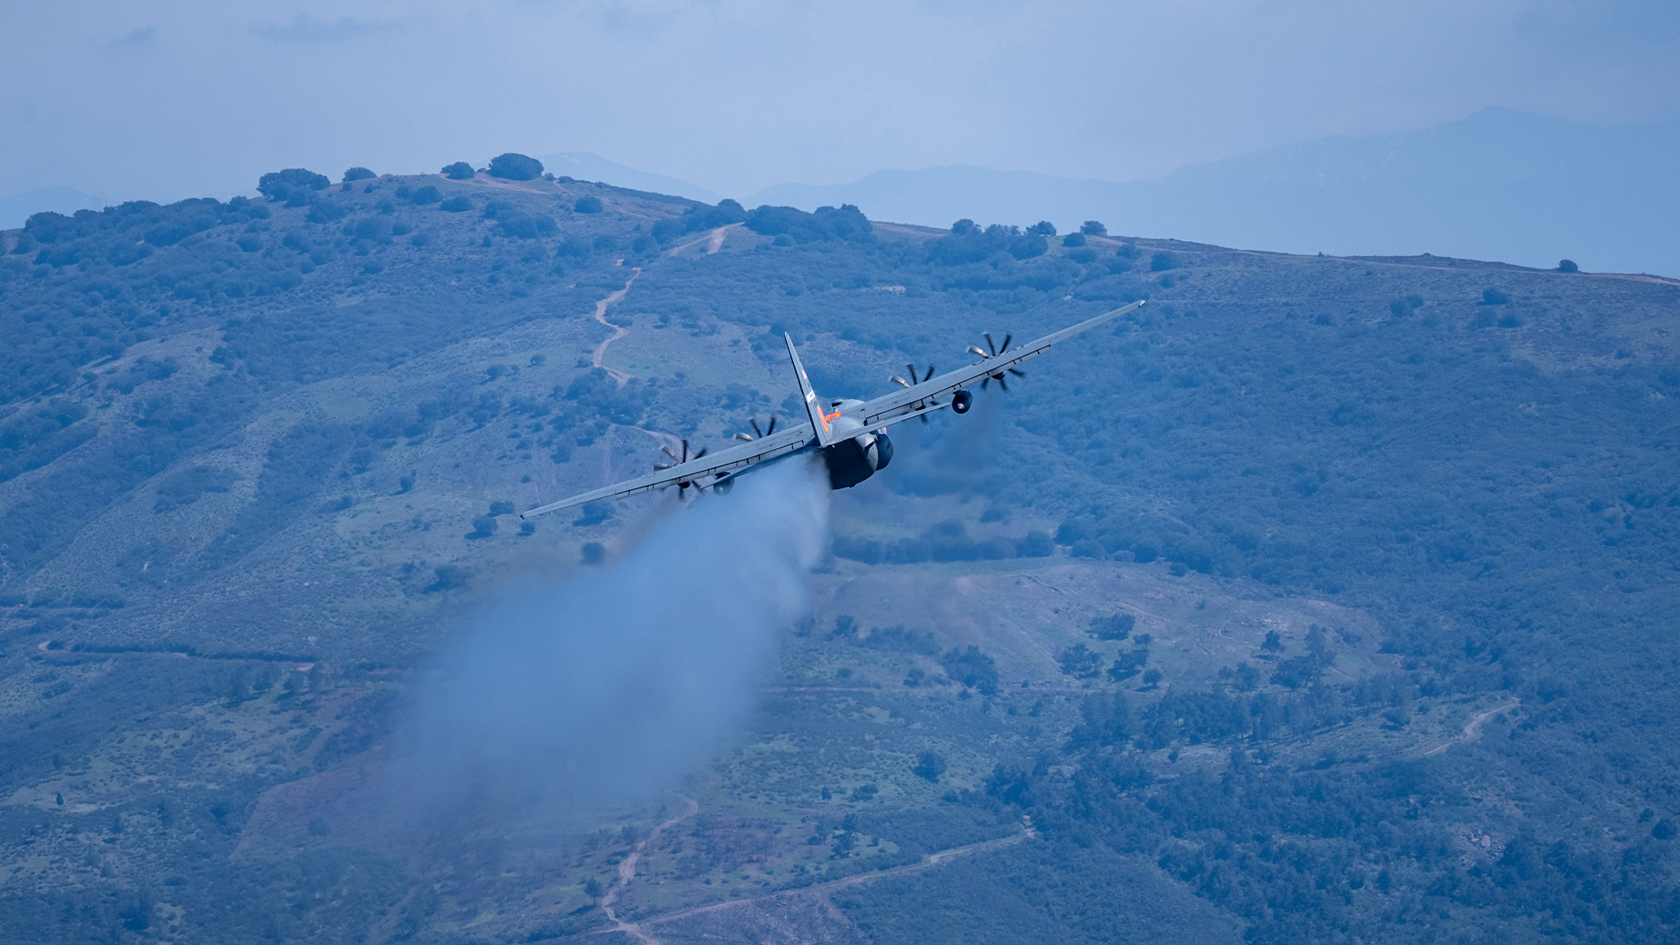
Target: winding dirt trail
627 872
618 330
928 862
713 240
1473 727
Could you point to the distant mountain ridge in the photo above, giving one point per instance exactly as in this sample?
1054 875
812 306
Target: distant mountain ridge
592 167
1499 185
16 209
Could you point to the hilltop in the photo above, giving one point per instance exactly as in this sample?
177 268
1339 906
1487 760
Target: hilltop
1233 572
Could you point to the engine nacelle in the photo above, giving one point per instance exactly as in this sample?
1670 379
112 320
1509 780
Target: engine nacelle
857 459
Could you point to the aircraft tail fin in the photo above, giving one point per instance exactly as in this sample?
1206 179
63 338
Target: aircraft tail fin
813 406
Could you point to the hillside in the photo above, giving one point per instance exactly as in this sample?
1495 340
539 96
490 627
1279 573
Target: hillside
1498 185
1323 598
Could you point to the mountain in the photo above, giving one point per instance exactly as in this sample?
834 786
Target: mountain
16 209
1320 599
1500 185
585 166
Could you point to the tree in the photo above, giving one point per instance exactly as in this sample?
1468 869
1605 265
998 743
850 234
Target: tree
425 195
358 173
592 889
282 185
1274 642
588 205
1042 228
827 224
460 170
971 668
1093 228
929 766
1074 239
1162 261
1080 661
511 166
964 227
1567 265
1114 627
1035 544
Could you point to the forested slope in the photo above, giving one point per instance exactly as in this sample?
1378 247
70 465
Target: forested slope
1301 518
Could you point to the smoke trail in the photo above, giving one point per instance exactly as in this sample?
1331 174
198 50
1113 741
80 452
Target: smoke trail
601 689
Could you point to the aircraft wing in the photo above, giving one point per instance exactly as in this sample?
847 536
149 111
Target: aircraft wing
923 398
796 439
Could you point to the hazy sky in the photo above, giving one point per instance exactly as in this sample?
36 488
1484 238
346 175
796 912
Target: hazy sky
165 100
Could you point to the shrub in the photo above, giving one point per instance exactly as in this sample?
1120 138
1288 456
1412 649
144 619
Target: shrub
969 244
284 185
826 225
594 553
1494 297
1114 627
1093 228
1567 265
588 205
358 173
460 170
930 765
1035 544
1162 261
326 212
516 224
1074 239
425 195
971 668
456 204
511 166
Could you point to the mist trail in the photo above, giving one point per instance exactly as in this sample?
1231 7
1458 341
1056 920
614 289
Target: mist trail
602 688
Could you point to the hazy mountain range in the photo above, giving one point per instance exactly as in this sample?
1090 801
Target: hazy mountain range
16 209
1499 185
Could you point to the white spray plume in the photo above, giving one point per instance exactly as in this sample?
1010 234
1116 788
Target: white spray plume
603 688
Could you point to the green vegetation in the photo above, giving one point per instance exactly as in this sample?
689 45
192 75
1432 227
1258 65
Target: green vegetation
1319 599
511 166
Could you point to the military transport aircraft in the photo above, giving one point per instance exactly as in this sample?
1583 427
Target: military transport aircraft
851 434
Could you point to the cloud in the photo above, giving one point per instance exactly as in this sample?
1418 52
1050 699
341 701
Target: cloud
306 29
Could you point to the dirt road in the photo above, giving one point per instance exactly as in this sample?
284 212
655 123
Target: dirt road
1473 727
618 331
713 240
627 872
926 863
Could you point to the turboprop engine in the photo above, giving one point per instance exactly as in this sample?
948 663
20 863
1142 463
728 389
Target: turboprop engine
857 459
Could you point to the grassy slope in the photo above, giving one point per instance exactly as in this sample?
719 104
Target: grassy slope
1303 454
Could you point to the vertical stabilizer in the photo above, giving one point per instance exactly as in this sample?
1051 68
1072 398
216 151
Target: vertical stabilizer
813 406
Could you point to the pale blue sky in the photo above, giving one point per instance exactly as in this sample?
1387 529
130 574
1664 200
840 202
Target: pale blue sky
165 100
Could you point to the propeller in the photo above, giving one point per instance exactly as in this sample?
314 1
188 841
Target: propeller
994 349
757 434
913 381
679 460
